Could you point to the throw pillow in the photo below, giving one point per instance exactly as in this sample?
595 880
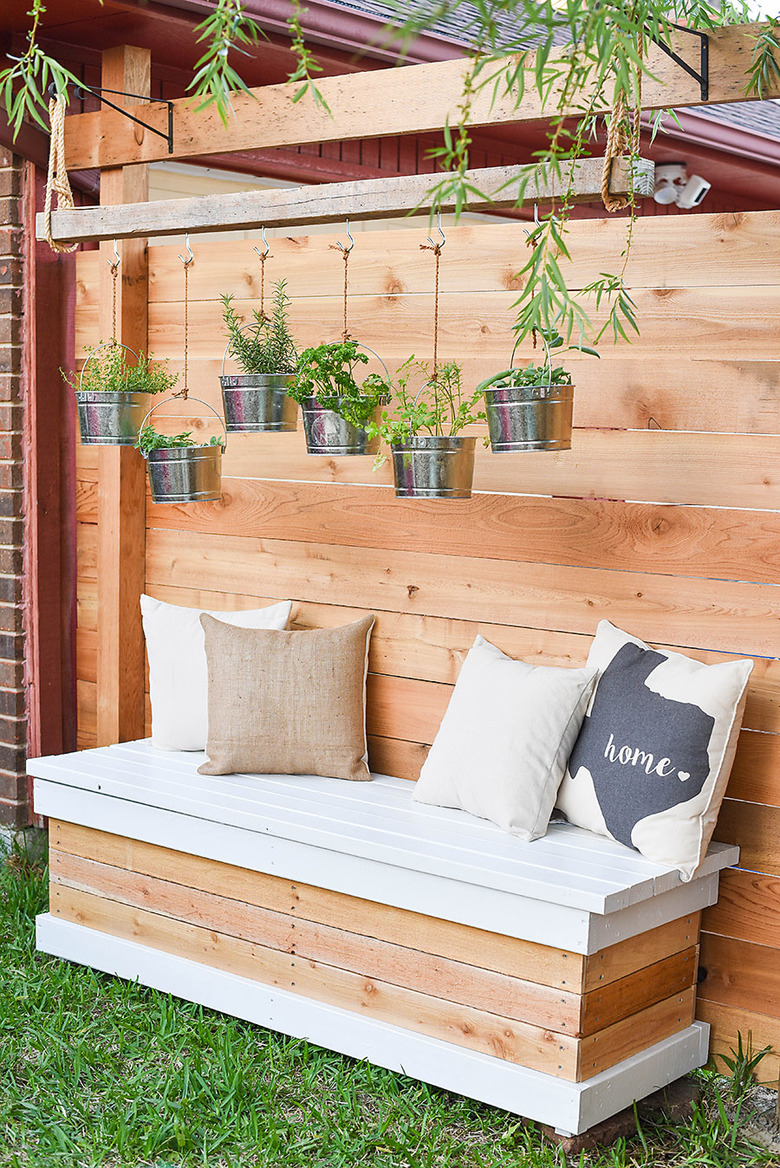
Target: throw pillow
287 703
653 757
502 747
176 651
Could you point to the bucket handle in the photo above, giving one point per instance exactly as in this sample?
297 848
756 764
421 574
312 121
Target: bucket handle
223 443
424 385
105 345
249 324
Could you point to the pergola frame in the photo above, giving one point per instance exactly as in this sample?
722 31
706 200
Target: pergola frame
408 100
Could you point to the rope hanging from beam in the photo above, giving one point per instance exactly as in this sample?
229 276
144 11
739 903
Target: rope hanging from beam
620 142
57 178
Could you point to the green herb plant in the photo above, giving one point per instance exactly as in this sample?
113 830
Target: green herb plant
437 406
327 372
542 376
265 344
106 370
151 439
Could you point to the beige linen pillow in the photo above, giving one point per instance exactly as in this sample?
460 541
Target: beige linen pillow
287 702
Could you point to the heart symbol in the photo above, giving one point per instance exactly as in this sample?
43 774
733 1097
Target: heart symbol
683 776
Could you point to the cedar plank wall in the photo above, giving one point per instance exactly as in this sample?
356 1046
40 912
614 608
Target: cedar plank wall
684 423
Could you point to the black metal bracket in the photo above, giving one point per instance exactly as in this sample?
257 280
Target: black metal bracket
703 76
81 92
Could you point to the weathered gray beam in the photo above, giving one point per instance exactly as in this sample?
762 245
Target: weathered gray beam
334 202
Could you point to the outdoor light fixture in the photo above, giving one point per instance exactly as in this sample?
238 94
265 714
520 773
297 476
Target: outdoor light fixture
672 185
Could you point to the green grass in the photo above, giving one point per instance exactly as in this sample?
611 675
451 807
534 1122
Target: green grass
94 1071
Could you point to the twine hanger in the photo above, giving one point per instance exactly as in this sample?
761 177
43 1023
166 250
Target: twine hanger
620 142
114 266
57 177
263 255
436 249
339 246
189 260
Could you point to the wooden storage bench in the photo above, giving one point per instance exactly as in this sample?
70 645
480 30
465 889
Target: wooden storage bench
555 979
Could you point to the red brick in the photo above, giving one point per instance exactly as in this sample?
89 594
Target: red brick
10 355
12 703
11 563
11 300
11 444
10 590
10 329
10 181
13 731
11 476
13 787
11 503
11 534
11 648
11 674
10 387
14 814
11 271
7 157
11 241
10 211
11 617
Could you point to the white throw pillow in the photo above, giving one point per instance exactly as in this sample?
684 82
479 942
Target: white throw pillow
178 674
652 761
502 747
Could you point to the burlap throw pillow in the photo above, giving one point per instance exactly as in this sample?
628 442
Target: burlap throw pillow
287 702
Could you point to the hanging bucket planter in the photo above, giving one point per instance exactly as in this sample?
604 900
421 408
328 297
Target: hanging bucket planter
529 417
329 420
432 466
108 417
257 403
531 408
181 472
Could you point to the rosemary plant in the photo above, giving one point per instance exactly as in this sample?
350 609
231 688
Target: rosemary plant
266 345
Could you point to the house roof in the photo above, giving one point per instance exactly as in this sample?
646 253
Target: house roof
760 117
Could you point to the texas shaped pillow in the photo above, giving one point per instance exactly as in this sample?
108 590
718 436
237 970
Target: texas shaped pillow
652 759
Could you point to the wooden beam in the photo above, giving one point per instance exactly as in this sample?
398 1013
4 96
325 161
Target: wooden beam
412 99
122 471
334 202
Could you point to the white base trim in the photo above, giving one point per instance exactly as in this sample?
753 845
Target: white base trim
570 1107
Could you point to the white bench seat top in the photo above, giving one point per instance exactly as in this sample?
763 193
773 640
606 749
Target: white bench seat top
376 821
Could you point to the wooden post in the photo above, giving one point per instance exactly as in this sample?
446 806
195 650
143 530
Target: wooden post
122 471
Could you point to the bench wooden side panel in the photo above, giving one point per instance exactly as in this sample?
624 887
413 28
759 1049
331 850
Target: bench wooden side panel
561 1013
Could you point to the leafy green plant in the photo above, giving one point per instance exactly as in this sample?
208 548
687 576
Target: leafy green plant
265 345
742 1064
438 407
106 370
151 439
327 372
543 375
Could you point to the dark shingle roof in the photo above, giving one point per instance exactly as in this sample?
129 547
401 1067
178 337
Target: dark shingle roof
760 117
452 22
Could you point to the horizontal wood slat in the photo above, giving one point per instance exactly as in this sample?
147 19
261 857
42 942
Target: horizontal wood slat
514 1041
756 830
729 616
728 1022
748 908
411 99
548 966
433 648
375 198
740 973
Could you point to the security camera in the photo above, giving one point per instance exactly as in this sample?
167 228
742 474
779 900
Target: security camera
672 185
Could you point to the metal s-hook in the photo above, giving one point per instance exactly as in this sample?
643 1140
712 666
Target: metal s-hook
443 239
116 261
263 254
190 257
340 245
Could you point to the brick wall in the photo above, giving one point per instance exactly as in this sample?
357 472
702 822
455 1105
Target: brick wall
14 802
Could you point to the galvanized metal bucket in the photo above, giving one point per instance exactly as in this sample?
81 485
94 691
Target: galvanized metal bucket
429 466
529 417
108 418
257 403
186 474
328 433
